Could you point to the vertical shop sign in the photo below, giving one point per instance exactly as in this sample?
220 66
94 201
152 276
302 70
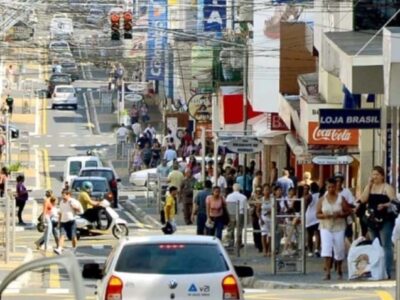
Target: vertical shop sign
157 40
214 13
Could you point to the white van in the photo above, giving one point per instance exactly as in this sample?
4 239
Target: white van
74 165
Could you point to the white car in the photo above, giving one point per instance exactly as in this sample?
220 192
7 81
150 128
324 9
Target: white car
64 95
59 46
139 178
168 267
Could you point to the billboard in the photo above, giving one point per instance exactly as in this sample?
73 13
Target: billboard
214 15
264 63
156 40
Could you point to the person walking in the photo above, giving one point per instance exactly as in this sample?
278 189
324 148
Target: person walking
332 211
137 158
255 202
200 208
215 208
264 217
69 207
235 201
50 219
144 113
3 180
3 142
186 196
312 222
380 220
170 207
21 197
10 104
170 153
163 169
285 182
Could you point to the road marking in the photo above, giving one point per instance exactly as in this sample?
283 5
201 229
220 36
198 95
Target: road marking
35 146
89 124
61 145
44 117
54 278
383 295
49 136
48 146
52 166
37 179
46 169
72 145
57 291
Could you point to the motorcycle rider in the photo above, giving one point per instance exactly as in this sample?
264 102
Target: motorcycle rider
91 208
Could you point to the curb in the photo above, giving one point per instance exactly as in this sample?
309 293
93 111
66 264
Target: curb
141 215
253 282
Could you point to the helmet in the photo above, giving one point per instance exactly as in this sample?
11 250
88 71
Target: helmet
87 186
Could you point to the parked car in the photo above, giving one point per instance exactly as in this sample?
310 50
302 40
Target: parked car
96 16
106 173
74 164
101 188
64 95
59 46
180 267
14 131
69 67
57 79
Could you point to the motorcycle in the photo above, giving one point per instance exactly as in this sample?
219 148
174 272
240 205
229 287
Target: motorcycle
109 221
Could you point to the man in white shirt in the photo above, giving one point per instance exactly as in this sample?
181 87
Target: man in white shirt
122 132
234 199
69 207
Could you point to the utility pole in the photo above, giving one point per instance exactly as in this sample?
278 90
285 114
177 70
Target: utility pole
8 139
245 94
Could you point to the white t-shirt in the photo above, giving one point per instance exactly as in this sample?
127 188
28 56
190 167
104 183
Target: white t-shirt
311 212
67 209
122 132
233 199
347 195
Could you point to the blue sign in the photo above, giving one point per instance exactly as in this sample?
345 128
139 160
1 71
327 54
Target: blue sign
214 12
349 118
192 288
156 40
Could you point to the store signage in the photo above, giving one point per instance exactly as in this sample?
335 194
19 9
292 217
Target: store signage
332 160
214 15
200 107
156 40
339 137
132 97
349 118
245 145
276 123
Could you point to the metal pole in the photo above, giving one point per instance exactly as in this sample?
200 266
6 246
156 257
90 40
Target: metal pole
245 96
273 233
122 108
395 127
7 219
303 235
397 269
245 230
13 217
203 153
238 229
8 138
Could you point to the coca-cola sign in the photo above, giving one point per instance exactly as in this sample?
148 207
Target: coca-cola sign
340 137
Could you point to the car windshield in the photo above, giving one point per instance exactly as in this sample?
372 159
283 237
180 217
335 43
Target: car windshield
99 173
60 79
75 167
99 186
91 163
171 259
65 90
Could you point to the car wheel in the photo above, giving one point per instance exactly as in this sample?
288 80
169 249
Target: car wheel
120 230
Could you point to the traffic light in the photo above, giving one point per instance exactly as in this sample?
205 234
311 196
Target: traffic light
115 34
128 18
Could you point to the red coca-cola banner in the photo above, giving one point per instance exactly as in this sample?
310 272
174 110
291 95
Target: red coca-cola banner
340 137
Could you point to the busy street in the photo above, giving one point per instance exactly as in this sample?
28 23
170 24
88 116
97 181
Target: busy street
216 149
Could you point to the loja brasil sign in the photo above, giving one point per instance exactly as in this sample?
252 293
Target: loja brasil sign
339 137
349 118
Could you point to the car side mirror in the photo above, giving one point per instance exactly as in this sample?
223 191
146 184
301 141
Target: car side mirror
244 271
92 271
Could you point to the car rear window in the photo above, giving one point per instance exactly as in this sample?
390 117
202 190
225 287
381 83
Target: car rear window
171 259
65 90
91 163
75 167
60 79
100 186
98 173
